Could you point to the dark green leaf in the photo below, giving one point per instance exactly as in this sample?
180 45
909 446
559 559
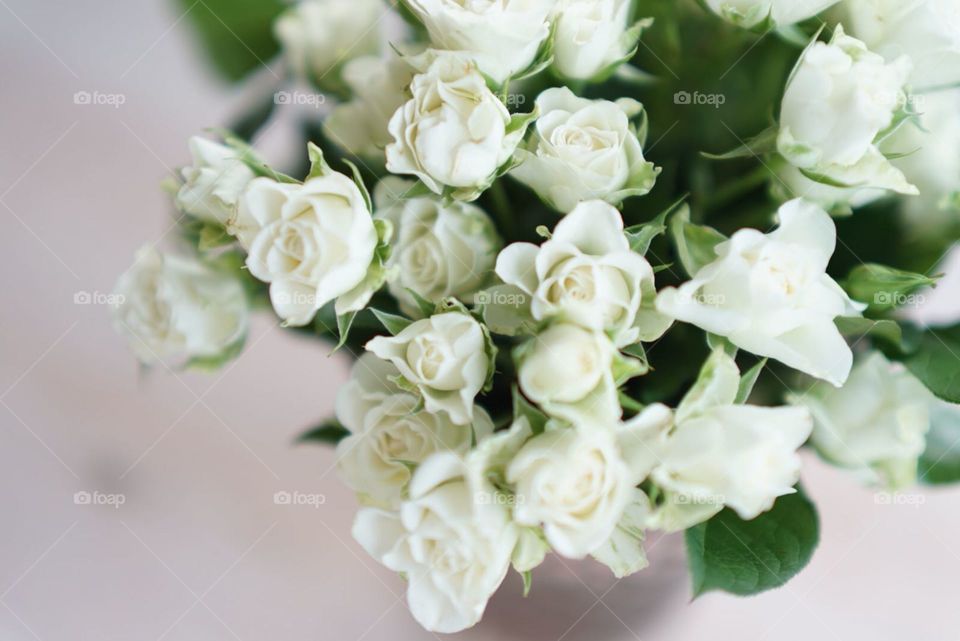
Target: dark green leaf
940 462
746 557
695 243
640 236
936 362
884 287
330 433
237 35
392 322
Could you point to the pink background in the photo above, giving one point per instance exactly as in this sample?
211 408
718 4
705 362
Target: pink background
199 550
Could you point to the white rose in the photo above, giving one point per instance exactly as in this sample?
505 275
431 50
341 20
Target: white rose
445 356
875 424
840 100
312 242
389 433
591 36
378 87
578 482
454 132
750 13
452 542
213 184
173 307
721 454
770 294
569 372
502 38
438 249
318 36
583 150
926 30
587 273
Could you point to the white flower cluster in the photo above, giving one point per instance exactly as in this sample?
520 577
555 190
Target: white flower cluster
489 414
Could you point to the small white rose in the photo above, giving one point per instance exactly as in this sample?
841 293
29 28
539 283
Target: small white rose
590 36
502 38
378 87
570 372
174 307
721 454
213 184
587 273
578 482
454 549
770 294
446 357
840 100
583 150
750 13
389 434
875 424
438 250
312 242
926 30
318 36
454 132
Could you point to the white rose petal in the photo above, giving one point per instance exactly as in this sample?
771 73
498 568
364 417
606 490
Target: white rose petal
587 273
388 433
438 250
454 132
583 150
445 357
313 242
320 35
770 294
213 184
589 36
840 98
454 550
173 307
502 38
750 13
875 424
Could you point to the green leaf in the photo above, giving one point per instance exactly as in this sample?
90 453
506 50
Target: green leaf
527 581
886 330
426 308
392 322
940 461
640 236
330 433
318 164
748 380
746 557
358 180
763 143
523 408
344 321
936 362
696 244
237 35
883 287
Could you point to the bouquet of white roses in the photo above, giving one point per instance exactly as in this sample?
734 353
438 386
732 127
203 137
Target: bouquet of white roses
574 318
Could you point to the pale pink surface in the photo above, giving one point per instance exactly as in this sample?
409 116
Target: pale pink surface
200 550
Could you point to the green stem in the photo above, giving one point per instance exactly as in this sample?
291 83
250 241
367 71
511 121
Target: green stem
501 209
733 190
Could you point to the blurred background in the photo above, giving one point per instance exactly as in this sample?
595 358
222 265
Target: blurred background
141 505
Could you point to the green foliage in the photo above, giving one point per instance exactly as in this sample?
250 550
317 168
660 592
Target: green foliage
940 462
746 557
327 433
884 288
